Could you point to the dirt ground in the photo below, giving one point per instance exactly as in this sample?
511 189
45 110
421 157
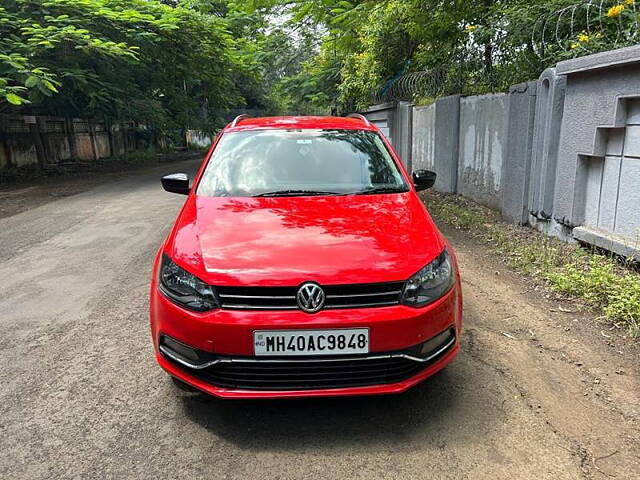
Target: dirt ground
570 369
538 391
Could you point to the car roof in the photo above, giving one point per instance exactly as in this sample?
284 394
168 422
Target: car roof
298 122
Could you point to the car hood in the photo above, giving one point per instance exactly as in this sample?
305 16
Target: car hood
289 240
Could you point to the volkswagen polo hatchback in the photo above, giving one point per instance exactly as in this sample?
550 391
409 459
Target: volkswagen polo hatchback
303 263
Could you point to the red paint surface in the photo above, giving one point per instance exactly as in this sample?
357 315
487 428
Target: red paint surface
284 241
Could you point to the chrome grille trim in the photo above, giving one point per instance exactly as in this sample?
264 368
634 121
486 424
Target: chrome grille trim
196 366
360 305
257 307
284 298
395 292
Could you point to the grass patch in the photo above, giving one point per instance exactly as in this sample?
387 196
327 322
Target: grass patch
600 282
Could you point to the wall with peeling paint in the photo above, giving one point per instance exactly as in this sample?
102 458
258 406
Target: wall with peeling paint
483 140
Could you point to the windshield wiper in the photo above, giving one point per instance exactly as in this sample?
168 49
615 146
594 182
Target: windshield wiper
380 190
293 193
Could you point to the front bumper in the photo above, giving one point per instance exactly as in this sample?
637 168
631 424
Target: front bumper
379 389
228 335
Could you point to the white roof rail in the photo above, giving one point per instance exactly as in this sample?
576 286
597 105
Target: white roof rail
361 117
238 118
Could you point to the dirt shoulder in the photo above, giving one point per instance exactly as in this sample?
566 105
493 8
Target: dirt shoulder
575 373
25 194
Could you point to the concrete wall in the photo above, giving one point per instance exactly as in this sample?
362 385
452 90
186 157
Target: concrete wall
435 141
30 140
561 153
598 174
482 147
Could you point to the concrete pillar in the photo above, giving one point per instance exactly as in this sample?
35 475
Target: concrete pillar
402 134
517 165
546 139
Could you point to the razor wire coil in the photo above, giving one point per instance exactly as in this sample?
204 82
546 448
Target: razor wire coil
554 35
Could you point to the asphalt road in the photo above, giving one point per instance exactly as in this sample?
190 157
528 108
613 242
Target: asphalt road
535 393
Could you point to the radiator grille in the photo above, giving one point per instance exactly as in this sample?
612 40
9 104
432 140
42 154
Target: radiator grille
292 375
284 298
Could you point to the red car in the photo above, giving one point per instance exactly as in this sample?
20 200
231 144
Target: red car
302 264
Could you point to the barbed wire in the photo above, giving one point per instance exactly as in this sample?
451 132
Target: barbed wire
590 23
560 30
461 75
427 83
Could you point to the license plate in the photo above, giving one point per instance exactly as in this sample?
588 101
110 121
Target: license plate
311 342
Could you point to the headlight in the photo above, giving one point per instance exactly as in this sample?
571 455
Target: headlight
184 288
430 283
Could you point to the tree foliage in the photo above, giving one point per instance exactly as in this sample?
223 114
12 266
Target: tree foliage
186 63
172 64
478 46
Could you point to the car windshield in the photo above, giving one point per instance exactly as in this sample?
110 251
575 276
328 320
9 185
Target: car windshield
300 162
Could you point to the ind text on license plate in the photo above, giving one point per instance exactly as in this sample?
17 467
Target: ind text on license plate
311 342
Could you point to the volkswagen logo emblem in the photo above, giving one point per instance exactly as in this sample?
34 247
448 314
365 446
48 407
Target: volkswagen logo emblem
310 297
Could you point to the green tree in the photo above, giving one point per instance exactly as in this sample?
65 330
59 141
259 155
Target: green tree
141 60
468 46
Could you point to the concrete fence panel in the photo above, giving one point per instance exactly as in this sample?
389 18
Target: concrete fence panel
55 139
435 141
17 140
448 143
101 140
516 168
402 133
85 148
483 140
394 120
424 138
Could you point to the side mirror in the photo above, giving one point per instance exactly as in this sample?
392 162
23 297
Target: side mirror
176 183
423 179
